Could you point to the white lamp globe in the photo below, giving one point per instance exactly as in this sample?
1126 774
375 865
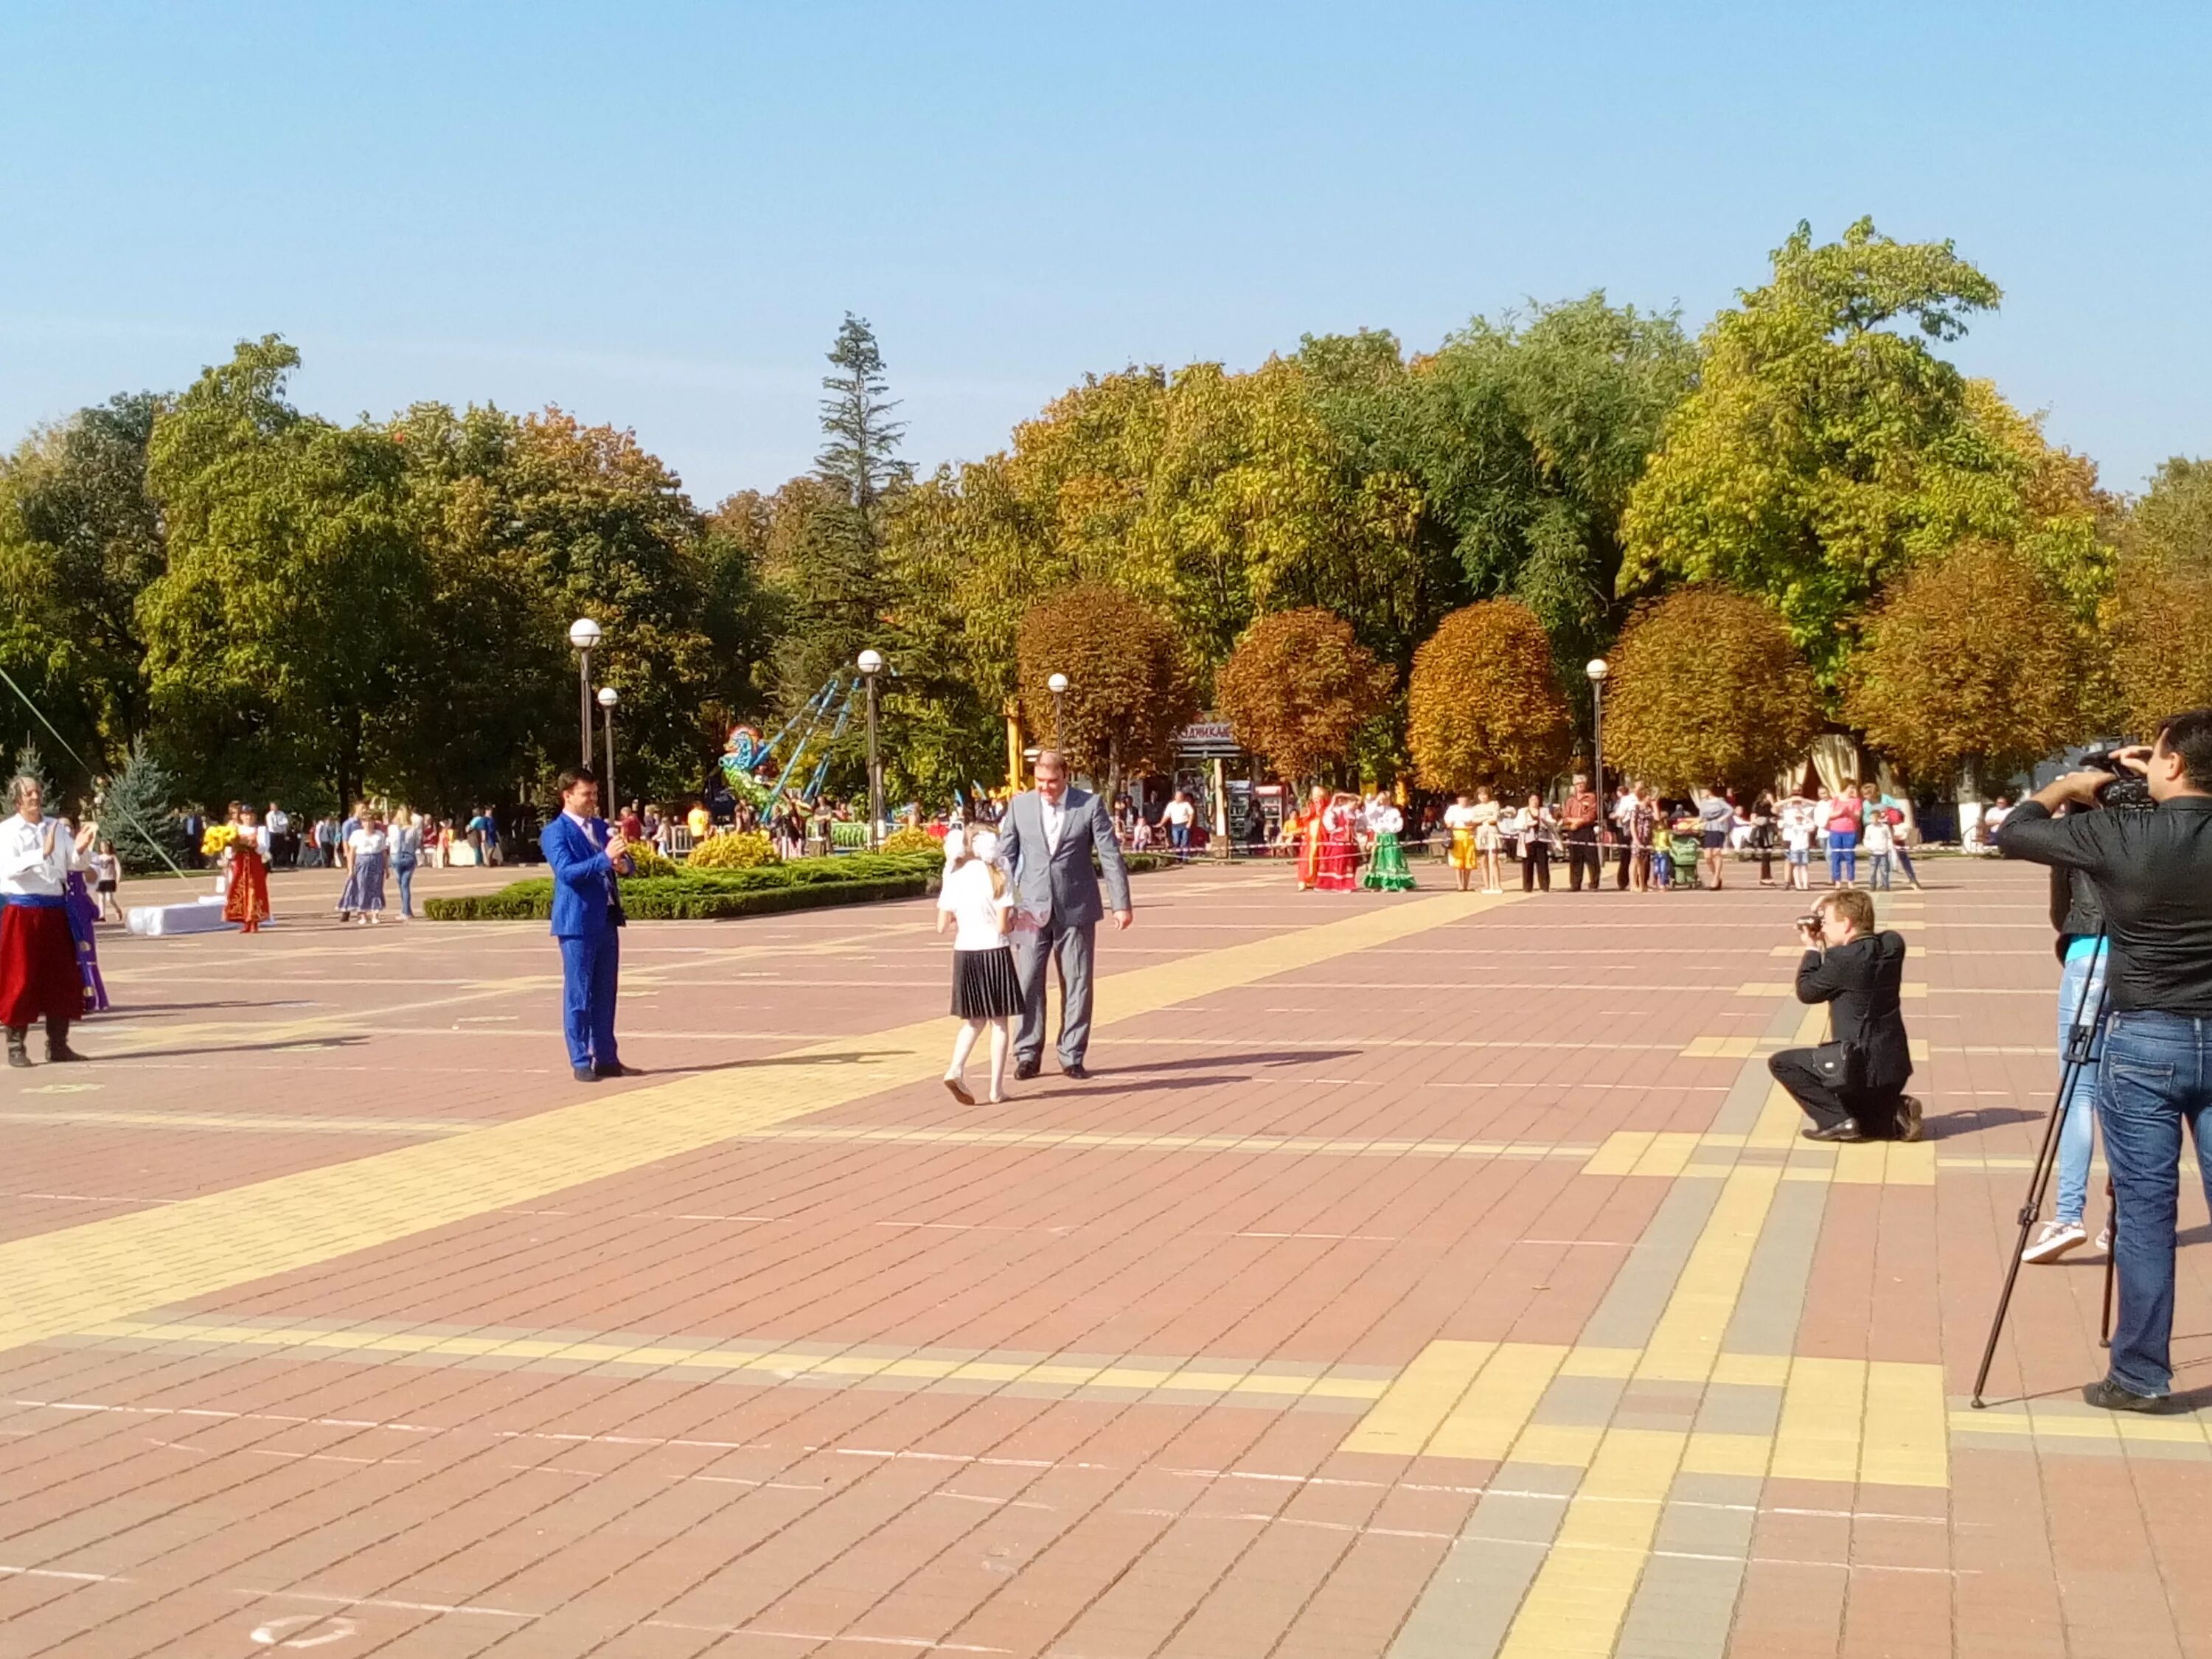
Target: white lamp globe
584 634
607 696
1056 684
1598 668
872 661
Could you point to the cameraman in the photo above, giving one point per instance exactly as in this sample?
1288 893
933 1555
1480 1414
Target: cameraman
1853 1085
2153 873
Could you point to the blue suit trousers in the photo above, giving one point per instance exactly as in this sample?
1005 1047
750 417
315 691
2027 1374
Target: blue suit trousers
589 964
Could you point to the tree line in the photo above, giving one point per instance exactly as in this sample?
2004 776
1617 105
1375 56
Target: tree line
1805 517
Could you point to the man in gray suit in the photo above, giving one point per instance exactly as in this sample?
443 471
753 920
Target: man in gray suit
1046 837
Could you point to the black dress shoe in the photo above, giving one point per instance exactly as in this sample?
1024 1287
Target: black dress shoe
1075 1071
1025 1070
1846 1132
2110 1396
617 1070
57 1052
586 1074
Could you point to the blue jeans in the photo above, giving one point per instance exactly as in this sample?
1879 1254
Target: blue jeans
1878 878
406 874
1905 860
2157 1075
2083 976
1843 855
1179 838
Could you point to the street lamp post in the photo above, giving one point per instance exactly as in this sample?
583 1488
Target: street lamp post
608 699
871 663
1597 670
584 635
1058 686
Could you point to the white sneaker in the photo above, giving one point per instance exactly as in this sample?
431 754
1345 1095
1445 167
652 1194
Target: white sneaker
2054 1241
2104 1237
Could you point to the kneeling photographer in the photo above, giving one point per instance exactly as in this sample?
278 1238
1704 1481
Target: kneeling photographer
2153 875
1853 1085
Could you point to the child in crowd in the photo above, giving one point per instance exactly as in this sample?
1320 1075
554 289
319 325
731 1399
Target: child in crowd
1878 839
106 873
986 990
1797 841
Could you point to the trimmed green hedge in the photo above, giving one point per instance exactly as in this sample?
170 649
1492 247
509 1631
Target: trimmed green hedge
705 895
702 895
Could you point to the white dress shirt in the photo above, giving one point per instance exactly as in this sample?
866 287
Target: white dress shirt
1055 819
27 866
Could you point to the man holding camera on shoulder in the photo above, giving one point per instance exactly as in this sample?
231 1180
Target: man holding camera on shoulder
1852 1087
2153 873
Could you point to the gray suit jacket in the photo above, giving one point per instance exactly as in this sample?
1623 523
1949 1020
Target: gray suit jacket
1063 881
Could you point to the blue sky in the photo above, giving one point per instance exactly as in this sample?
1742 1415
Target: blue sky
654 214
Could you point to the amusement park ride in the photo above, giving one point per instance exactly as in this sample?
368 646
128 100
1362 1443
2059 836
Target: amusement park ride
817 726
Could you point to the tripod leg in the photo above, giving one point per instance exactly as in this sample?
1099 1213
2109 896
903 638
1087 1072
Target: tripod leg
2112 1261
2080 1047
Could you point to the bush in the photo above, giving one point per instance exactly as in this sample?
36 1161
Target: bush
912 841
689 896
745 851
646 862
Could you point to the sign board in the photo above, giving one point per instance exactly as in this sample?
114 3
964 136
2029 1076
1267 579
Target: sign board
1207 738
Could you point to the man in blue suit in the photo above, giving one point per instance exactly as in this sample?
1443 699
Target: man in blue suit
587 861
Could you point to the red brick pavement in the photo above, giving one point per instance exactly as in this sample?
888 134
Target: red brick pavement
210 1495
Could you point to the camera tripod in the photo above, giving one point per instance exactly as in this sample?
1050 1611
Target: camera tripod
2081 1039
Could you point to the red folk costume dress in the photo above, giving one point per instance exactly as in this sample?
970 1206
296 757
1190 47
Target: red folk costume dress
247 901
1340 853
38 957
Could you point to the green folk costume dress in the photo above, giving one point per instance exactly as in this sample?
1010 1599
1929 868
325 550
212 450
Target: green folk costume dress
1385 871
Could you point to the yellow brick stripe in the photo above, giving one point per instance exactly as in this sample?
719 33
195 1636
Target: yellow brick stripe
66 1280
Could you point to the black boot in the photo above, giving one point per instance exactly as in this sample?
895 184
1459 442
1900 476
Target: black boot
17 1054
58 1047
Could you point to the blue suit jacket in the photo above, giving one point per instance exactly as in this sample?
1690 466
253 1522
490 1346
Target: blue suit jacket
586 884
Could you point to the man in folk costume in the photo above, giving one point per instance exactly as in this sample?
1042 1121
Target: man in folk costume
1047 838
39 976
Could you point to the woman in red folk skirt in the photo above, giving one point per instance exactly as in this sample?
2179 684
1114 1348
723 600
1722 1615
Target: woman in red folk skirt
38 957
246 900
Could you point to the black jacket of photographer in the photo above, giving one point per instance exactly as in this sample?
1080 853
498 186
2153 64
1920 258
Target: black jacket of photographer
1861 982
2153 872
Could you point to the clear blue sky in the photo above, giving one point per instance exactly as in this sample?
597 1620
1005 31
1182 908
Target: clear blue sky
654 214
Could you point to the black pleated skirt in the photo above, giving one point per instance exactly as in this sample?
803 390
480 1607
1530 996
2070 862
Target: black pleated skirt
985 985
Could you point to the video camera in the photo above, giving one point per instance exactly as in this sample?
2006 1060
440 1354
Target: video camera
2129 791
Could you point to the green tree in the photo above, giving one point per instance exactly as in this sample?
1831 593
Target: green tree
1707 687
1973 665
1297 689
80 538
138 810
2158 619
1484 704
1826 445
830 565
293 599
2173 523
1525 437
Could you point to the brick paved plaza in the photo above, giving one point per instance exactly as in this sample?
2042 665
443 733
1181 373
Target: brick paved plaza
1425 1276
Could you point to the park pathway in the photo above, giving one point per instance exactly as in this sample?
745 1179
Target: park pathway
1421 1276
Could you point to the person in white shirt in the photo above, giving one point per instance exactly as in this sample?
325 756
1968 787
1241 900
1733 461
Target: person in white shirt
1179 815
987 990
1798 819
1460 818
38 977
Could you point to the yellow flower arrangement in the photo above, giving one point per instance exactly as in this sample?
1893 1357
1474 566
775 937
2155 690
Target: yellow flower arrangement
217 840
